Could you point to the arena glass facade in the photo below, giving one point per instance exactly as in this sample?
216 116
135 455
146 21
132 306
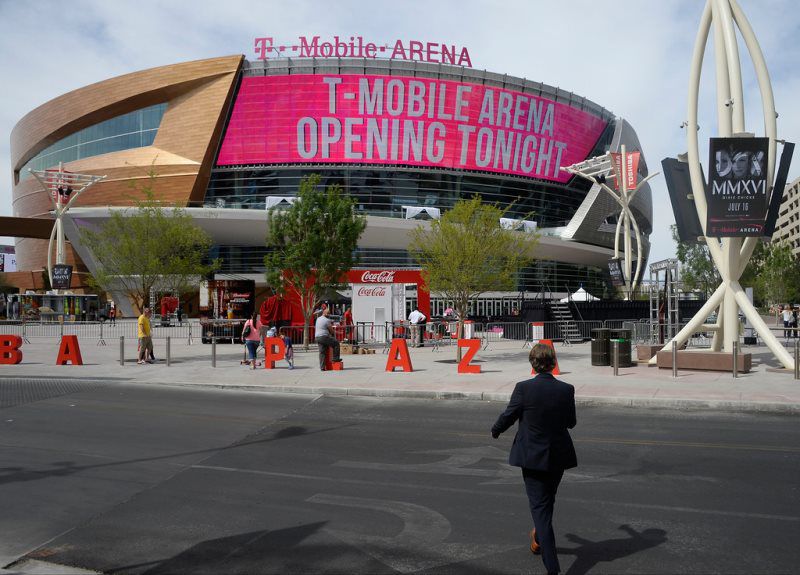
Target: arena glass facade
135 129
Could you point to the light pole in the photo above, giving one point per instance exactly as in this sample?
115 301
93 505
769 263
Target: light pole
63 188
597 170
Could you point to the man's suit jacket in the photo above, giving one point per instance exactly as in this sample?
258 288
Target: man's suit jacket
545 408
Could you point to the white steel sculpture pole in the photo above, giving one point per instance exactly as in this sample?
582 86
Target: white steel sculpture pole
595 170
731 254
60 185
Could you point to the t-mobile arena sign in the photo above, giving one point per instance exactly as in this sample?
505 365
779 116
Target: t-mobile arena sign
368 119
356 47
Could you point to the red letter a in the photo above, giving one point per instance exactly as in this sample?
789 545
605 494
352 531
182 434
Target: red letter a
398 356
69 351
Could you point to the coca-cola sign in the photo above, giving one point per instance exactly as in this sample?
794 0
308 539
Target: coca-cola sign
372 291
384 277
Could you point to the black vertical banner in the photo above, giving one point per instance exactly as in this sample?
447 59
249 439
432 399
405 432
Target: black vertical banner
615 269
737 189
62 276
777 191
679 186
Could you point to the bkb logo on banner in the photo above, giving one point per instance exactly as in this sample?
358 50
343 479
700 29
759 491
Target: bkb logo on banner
738 190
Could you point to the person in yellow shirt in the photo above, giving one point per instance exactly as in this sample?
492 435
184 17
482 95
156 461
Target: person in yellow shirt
145 337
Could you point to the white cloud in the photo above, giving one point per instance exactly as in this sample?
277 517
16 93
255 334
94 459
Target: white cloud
630 56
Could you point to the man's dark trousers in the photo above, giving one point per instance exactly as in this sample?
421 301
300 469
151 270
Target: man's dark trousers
324 342
541 487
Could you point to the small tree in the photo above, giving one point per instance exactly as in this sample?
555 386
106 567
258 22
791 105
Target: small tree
779 277
467 252
313 244
150 245
697 267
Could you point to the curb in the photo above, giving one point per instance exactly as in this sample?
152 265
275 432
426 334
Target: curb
581 401
729 406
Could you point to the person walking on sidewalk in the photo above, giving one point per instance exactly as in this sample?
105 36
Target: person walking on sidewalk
251 336
545 409
324 336
145 334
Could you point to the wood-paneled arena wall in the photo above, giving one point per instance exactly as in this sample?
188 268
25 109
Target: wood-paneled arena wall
197 94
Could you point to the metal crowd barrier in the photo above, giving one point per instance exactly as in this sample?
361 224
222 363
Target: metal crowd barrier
643 332
363 333
439 333
436 333
368 333
295 333
99 331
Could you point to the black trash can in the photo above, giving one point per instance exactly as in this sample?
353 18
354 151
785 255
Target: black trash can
601 347
623 339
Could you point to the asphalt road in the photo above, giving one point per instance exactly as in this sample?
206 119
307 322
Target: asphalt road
122 478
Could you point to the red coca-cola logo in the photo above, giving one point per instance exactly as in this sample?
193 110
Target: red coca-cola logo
372 291
384 277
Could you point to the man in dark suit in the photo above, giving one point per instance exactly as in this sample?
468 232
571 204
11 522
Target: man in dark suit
545 408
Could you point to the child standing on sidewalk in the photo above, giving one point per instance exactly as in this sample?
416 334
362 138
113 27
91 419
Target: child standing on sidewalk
287 342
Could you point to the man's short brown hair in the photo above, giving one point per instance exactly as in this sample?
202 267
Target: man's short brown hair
542 358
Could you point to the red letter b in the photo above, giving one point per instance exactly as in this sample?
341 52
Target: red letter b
9 349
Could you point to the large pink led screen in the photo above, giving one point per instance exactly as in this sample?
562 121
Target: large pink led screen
412 121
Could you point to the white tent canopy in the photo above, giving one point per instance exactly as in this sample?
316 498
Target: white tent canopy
580 295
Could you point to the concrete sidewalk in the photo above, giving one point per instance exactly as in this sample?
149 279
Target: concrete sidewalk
435 375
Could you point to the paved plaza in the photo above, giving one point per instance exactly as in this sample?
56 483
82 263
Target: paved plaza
502 363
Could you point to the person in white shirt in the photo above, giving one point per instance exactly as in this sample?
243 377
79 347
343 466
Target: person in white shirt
787 321
416 318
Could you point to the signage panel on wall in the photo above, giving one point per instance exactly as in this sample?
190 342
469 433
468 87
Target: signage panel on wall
737 192
370 119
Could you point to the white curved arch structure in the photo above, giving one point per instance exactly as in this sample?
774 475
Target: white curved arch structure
730 255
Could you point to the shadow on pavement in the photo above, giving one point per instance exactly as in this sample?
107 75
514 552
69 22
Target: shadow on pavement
252 552
301 549
589 553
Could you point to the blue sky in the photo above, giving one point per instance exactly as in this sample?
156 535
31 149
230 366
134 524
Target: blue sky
630 56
